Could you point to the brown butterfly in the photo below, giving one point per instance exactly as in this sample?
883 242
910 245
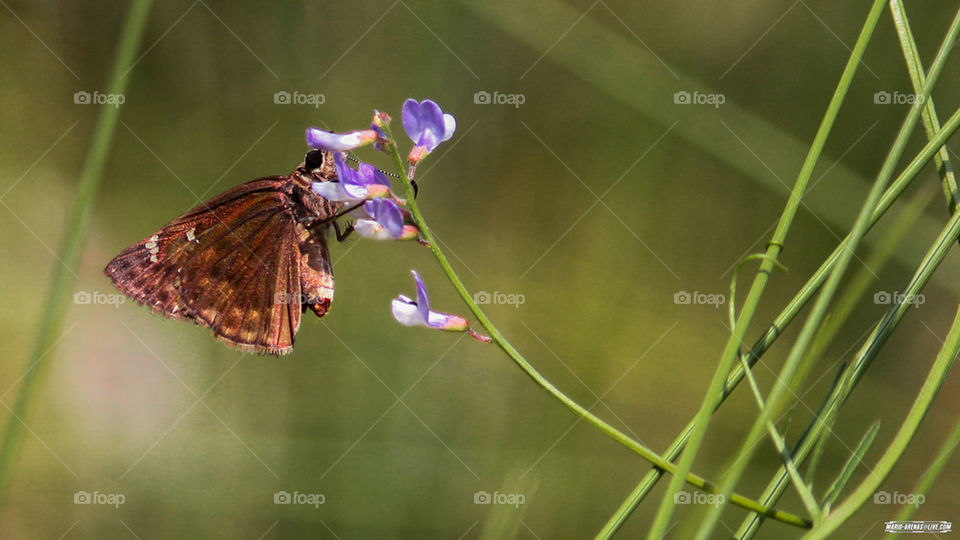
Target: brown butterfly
246 264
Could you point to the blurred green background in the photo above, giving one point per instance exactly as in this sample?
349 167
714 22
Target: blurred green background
598 199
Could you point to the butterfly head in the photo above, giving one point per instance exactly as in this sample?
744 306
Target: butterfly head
318 166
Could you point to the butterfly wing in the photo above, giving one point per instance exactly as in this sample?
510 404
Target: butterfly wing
231 264
316 272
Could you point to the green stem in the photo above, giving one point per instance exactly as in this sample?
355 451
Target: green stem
76 230
926 482
849 377
528 368
931 123
783 319
727 359
806 495
819 310
931 386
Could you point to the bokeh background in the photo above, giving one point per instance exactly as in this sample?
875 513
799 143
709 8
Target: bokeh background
597 200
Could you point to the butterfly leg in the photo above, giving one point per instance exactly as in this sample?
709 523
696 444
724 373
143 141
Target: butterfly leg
342 236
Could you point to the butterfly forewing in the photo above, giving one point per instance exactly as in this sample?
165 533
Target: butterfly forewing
243 264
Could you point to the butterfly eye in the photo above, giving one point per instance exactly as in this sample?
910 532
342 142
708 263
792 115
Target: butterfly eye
313 160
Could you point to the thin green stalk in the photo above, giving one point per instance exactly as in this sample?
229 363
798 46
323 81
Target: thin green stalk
806 495
77 224
931 123
845 384
861 282
926 482
819 310
783 320
715 390
528 368
813 437
856 457
921 405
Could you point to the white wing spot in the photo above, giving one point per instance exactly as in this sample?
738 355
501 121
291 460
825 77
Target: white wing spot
191 237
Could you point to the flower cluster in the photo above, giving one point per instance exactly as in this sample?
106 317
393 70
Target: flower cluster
380 214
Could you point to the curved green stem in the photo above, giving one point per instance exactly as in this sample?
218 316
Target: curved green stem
76 230
528 368
731 350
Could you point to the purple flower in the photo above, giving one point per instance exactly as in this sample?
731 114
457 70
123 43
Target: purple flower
417 313
426 125
339 142
372 230
386 213
367 182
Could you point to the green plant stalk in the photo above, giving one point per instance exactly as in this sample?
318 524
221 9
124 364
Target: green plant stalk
819 310
806 495
528 368
731 351
732 311
860 283
850 466
812 438
69 255
845 385
923 487
921 405
782 320
931 123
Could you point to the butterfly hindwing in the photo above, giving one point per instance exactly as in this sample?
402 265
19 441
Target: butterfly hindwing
232 264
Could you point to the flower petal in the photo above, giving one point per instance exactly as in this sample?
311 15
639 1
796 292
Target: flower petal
449 126
406 313
332 191
372 230
386 213
339 142
423 301
411 114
